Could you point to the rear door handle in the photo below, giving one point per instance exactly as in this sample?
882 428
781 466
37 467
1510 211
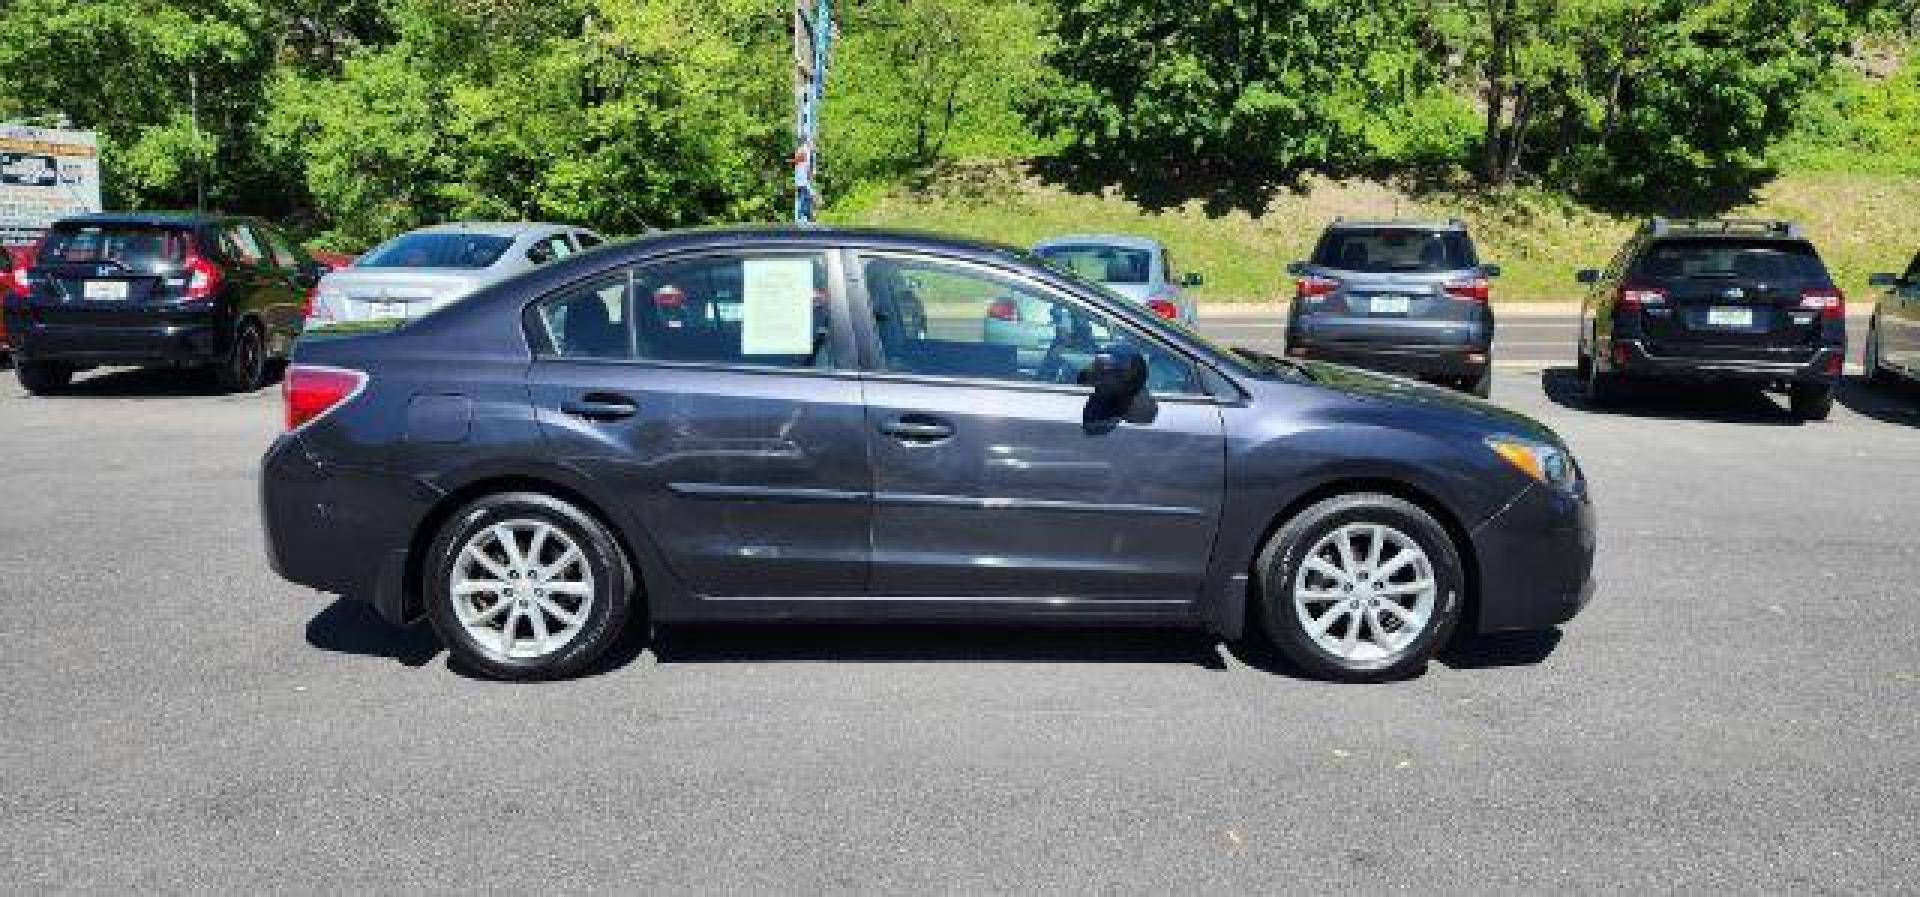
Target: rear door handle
917 428
600 406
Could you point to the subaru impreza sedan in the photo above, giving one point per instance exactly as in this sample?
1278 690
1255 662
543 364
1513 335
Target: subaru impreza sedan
805 424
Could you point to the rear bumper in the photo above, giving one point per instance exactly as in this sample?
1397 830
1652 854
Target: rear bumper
191 337
343 531
1824 365
1437 361
1535 561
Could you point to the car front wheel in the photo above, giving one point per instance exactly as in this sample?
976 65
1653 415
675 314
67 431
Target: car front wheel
1361 588
525 586
1811 401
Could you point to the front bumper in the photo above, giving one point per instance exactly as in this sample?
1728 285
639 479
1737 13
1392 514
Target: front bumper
1433 361
1823 365
1535 560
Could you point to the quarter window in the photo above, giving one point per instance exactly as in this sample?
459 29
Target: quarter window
548 249
950 321
762 310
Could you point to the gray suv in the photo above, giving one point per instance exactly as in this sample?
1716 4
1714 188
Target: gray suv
1406 297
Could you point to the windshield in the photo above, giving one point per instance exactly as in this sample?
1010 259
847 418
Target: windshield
1104 264
1394 251
136 246
437 250
1761 260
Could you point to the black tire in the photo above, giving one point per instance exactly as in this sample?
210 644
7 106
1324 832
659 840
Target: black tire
613 604
246 366
1279 618
43 377
1479 385
1811 401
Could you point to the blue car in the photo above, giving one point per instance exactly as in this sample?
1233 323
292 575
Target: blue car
787 424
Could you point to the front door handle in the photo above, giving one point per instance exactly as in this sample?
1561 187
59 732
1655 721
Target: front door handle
917 428
600 406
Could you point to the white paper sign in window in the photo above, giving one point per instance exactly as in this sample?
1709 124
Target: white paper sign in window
778 313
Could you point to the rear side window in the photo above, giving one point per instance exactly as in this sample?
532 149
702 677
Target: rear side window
134 246
738 310
243 245
437 250
1394 251
1773 261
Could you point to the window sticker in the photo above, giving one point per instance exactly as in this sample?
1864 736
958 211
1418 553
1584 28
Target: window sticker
778 313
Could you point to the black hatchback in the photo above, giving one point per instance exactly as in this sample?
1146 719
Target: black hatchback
159 289
1721 299
815 424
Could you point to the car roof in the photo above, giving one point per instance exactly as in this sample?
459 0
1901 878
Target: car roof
496 228
150 219
1127 241
1399 223
821 235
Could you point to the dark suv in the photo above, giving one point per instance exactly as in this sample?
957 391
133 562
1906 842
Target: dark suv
1399 296
145 288
1719 299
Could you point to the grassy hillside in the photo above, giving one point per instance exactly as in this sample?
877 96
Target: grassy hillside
1861 222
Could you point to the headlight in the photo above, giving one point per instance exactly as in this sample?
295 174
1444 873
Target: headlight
1549 464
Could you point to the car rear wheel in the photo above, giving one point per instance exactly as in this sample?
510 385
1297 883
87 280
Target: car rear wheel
1481 384
525 586
43 377
1811 401
1360 588
245 369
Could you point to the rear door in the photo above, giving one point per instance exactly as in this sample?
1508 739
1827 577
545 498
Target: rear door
1734 297
991 482
108 274
712 395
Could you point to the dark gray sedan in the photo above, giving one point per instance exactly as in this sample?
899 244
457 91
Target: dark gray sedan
758 425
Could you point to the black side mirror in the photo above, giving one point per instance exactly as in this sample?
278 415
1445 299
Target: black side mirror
1117 373
1883 280
1489 271
1192 279
1297 269
1587 275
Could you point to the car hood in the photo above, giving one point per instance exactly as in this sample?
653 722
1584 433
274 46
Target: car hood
1428 399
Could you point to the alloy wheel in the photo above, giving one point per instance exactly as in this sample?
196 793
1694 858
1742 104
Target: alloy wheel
1365 592
521 588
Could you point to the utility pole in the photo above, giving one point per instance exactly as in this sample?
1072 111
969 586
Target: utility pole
812 45
199 157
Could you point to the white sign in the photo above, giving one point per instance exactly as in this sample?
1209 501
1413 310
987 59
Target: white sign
45 175
778 313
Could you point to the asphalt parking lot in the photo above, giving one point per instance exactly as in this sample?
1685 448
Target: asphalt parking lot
1738 710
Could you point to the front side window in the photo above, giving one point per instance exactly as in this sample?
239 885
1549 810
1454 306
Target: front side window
761 310
951 321
281 250
1389 251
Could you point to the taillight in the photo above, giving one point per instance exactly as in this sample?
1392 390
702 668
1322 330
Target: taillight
1632 296
1003 310
310 391
203 277
1164 309
1313 287
1477 289
1831 303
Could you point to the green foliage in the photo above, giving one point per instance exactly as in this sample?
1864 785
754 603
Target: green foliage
1859 123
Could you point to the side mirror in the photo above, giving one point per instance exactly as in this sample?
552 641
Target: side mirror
1192 279
1297 269
1489 271
1587 275
1883 280
1117 373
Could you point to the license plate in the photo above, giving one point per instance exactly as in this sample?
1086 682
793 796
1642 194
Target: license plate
105 290
386 311
1390 305
1724 316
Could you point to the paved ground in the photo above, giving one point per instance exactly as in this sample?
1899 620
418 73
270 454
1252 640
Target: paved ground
1737 711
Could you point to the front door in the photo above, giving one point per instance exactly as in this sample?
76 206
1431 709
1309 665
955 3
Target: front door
707 393
991 479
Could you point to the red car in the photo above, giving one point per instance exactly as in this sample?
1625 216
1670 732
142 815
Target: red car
14 261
